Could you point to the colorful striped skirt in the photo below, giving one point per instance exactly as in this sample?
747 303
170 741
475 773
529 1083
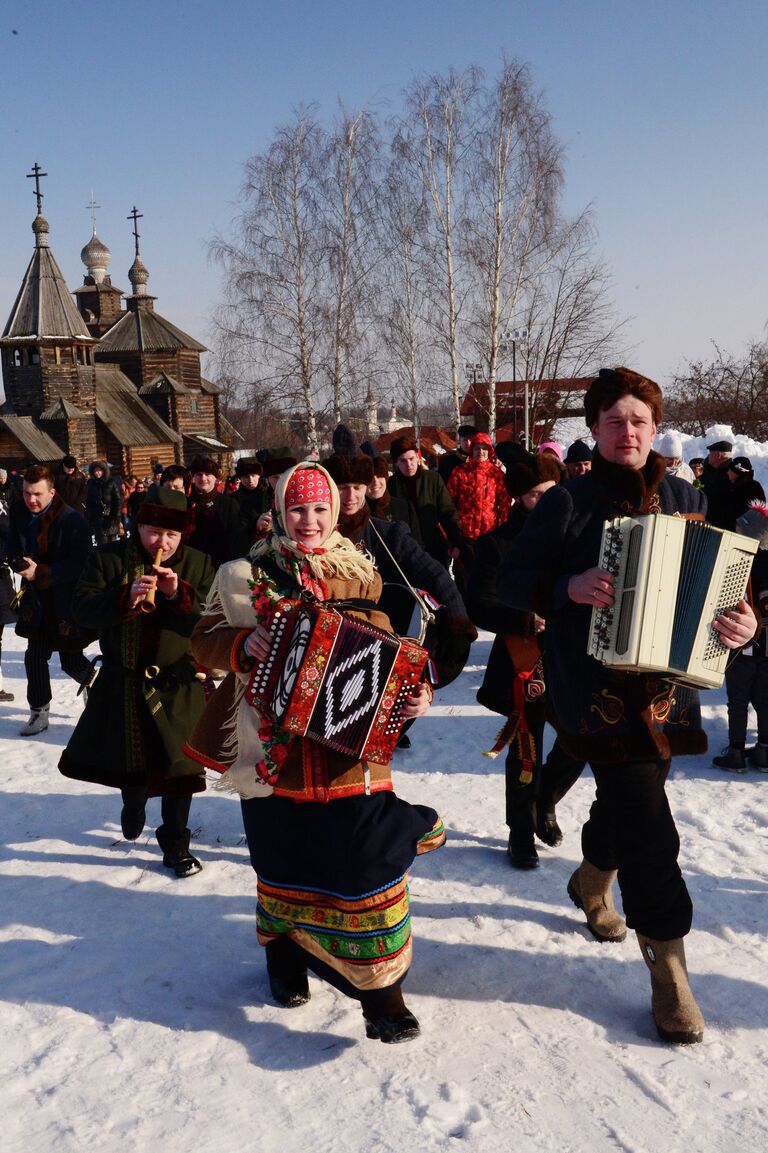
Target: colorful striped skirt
335 878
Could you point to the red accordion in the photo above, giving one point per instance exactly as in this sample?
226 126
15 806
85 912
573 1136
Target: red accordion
336 679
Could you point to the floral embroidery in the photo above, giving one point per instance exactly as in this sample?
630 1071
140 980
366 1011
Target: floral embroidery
609 707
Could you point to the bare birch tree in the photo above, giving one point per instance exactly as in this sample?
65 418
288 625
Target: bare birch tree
436 136
274 270
515 179
351 189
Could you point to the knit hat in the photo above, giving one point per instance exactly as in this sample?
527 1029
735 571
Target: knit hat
350 470
166 509
524 475
742 465
400 445
612 383
69 462
248 466
670 445
343 442
551 446
578 452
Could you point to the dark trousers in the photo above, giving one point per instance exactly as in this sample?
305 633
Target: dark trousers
746 680
631 828
521 796
174 811
38 654
559 773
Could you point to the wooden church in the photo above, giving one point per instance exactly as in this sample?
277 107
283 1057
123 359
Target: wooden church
98 380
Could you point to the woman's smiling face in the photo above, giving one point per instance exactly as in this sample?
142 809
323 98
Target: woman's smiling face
310 524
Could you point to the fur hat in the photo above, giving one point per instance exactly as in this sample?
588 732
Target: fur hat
612 383
206 464
400 445
524 475
248 466
166 509
465 430
349 470
69 462
380 465
277 460
578 452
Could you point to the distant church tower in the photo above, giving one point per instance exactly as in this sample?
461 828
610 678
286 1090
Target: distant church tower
98 300
372 413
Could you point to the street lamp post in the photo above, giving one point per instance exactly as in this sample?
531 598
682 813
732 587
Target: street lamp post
511 339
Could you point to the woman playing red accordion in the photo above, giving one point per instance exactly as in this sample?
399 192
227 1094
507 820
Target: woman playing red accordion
329 840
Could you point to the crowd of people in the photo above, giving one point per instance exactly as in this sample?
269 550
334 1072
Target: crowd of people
181 577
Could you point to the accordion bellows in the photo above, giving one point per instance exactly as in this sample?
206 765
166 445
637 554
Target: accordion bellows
337 680
672 578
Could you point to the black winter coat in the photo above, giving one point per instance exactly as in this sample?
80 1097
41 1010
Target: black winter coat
488 612
601 715
61 552
217 529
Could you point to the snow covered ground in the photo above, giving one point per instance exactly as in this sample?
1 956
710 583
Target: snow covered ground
136 1014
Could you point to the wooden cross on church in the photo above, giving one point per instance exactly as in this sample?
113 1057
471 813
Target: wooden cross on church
35 175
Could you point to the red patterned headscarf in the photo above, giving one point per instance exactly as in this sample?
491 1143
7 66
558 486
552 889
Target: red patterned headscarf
307 486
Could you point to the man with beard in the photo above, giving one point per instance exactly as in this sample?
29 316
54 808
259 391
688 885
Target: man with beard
610 718
147 696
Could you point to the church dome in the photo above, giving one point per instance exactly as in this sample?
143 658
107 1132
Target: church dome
96 257
138 276
40 229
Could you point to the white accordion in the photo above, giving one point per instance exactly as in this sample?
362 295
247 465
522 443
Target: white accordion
672 578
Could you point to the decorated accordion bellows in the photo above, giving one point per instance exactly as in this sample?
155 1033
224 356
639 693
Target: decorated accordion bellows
336 679
672 578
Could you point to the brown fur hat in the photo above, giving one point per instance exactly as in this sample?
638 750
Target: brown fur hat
350 470
400 445
526 474
612 383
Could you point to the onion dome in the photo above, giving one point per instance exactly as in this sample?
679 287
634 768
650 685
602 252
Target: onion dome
40 229
96 257
138 276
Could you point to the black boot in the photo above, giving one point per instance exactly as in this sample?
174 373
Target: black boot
521 847
547 828
176 854
288 981
133 814
387 1018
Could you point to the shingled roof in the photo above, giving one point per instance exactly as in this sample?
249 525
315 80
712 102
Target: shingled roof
44 308
128 418
38 444
142 330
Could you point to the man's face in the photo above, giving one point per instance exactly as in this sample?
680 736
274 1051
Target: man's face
174 482
578 468
352 498
98 473
465 444
250 480
408 462
204 481
624 432
68 470
153 538
37 496
530 499
717 458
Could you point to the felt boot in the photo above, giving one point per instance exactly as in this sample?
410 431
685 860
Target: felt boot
287 973
590 889
37 723
677 1016
386 1017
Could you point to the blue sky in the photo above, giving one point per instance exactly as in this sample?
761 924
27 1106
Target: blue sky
661 108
